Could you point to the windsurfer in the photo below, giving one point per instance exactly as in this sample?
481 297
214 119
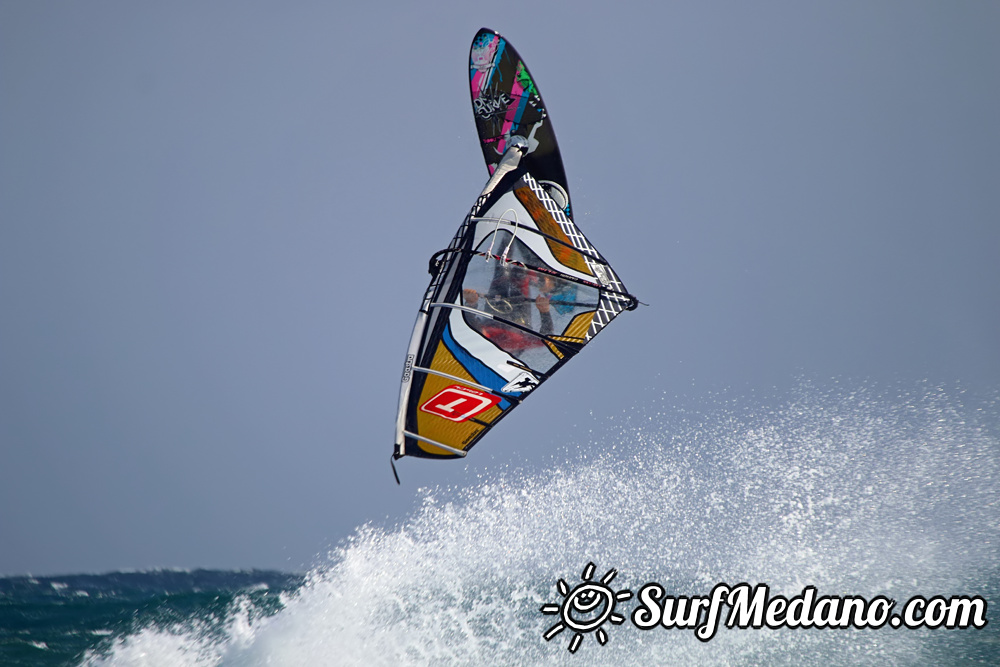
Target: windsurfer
509 298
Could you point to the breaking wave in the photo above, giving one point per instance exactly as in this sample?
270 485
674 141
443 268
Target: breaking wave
852 491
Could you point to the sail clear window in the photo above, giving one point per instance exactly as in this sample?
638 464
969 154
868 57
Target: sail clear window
524 301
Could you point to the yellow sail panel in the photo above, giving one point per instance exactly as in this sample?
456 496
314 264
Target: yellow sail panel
576 330
554 349
450 411
566 256
445 362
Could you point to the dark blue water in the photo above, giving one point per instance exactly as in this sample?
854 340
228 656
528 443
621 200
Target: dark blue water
55 620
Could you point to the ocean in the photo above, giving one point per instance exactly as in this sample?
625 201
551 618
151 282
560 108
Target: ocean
57 620
851 492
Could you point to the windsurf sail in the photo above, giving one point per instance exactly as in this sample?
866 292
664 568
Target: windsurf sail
516 295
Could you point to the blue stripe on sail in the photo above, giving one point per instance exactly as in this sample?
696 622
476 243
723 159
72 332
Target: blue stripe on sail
520 110
479 371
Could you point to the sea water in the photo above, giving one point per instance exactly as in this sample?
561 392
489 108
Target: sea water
852 491
56 620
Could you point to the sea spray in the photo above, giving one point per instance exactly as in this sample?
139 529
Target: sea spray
853 492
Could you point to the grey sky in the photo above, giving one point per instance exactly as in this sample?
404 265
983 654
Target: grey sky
216 219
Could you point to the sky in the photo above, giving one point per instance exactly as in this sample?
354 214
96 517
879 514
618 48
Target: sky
215 220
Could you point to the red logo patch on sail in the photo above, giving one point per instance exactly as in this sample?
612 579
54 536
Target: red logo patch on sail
457 403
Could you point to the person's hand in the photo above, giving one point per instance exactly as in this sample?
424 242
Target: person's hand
542 303
470 297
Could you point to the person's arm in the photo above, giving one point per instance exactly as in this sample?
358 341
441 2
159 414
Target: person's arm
544 308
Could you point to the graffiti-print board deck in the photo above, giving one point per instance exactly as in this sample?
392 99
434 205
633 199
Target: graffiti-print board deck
506 103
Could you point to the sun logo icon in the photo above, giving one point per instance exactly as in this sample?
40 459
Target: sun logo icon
586 608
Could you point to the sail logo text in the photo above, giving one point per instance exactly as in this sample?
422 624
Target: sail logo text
487 105
408 368
586 607
457 403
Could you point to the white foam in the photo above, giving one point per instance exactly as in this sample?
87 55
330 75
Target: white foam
852 493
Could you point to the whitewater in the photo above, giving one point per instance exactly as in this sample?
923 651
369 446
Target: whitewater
856 491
